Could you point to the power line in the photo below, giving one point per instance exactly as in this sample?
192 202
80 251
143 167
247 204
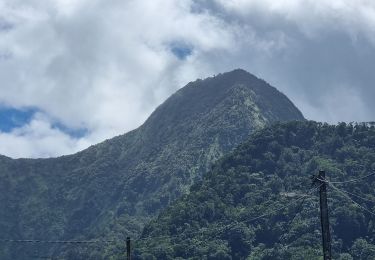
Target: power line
45 257
344 192
221 229
355 195
353 180
291 221
356 203
57 241
152 237
84 242
281 208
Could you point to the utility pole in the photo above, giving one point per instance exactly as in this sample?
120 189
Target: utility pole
326 236
128 254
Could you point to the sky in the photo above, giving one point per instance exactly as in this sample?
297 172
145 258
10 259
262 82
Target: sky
76 72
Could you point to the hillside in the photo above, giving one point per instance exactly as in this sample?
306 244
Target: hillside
258 201
110 190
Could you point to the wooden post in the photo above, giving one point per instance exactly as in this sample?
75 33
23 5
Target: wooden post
324 220
128 252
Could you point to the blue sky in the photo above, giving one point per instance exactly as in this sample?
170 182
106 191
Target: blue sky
72 77
14 118
181 51
11 119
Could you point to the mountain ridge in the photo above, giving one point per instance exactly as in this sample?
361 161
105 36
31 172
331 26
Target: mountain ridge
113 188
235 76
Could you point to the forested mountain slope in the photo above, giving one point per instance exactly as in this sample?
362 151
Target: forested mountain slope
258 202
112 189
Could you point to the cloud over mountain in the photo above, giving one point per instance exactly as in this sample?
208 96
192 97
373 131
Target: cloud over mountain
101 67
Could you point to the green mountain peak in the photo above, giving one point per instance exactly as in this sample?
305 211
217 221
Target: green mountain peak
112 189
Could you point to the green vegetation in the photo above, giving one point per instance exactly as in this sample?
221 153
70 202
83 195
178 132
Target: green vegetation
111 190
271 174
254 203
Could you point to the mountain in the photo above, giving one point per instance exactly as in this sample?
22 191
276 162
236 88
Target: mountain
110 190
258 202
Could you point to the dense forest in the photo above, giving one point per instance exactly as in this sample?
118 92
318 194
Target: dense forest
114 188
177 187
259 202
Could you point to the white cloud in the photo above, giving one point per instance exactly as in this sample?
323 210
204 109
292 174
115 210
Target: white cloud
337 106
105 65
39 139
100 65
312 16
